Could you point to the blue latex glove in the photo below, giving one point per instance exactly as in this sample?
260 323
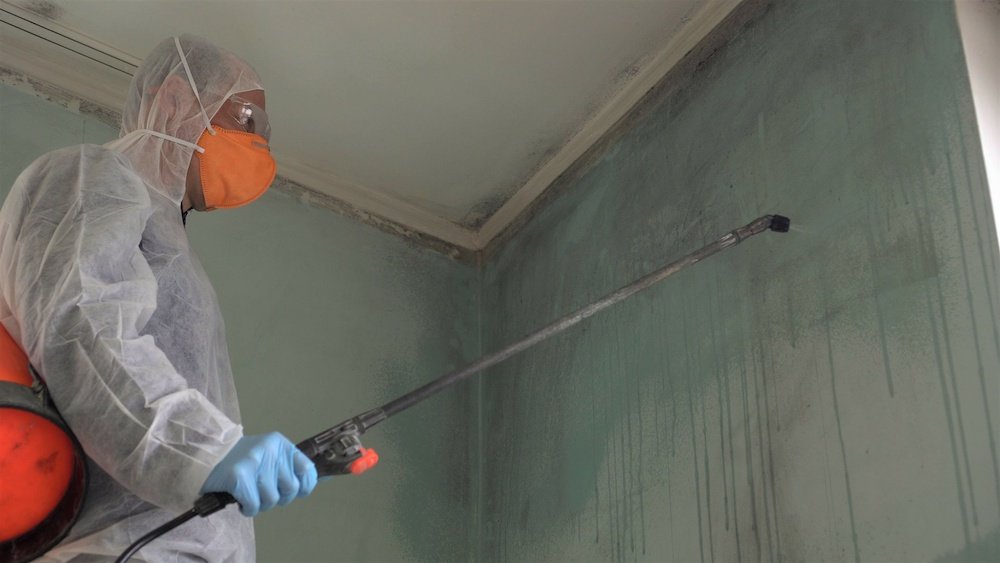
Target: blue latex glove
263 471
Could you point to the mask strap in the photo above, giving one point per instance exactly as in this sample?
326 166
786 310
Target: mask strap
169 138
187 70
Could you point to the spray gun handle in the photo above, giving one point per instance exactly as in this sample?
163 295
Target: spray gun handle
347 456
338 450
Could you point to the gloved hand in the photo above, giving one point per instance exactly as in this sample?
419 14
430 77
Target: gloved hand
263 471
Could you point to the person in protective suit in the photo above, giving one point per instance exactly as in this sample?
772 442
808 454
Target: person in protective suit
99 286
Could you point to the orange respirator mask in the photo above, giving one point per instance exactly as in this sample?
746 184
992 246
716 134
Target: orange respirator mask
236 167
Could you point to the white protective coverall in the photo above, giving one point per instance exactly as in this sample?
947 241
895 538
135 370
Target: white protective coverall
100 287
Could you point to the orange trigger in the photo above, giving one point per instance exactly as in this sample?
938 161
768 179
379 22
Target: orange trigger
367 460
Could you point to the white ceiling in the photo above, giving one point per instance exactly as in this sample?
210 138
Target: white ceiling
433 114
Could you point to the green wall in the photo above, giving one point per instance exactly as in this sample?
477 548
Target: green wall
326 318
827 394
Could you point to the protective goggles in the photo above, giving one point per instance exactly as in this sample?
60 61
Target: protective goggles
248 116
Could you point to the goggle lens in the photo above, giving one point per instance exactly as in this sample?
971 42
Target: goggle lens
251 117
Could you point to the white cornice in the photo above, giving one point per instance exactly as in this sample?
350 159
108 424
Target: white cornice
51 59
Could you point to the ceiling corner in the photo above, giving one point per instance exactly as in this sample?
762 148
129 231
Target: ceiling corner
711 14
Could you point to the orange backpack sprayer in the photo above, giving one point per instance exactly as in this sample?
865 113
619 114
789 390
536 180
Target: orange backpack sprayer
43 475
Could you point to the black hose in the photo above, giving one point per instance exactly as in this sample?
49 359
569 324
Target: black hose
205 505
155 534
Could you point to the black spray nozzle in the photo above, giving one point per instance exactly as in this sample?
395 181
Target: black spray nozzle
780 223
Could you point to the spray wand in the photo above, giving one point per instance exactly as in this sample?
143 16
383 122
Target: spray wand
338 450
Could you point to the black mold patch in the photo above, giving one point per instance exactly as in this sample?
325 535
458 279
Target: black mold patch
43 8
482 211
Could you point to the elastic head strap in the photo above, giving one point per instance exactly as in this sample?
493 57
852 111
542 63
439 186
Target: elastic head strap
168 138
187 70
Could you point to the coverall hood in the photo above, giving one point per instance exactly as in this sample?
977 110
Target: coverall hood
160 99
